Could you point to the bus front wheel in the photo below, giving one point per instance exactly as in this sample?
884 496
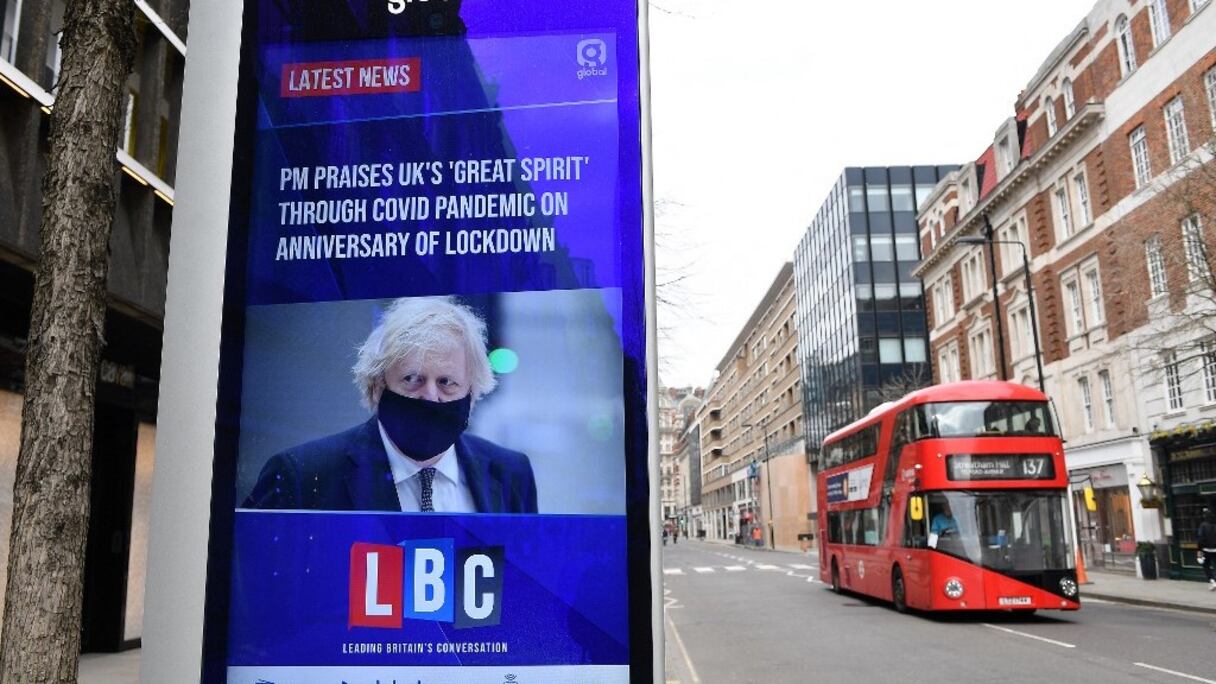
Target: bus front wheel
899 591
835 577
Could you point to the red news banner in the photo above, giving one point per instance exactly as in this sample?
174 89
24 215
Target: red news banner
352 77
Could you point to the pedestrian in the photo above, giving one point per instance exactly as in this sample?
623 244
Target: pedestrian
664 535
1207 545
675 535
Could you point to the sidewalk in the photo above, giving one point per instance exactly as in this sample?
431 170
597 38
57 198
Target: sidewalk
1163 593
110 668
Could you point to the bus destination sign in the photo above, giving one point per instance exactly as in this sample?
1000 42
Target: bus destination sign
971 467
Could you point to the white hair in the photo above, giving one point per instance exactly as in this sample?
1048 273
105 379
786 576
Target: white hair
425 325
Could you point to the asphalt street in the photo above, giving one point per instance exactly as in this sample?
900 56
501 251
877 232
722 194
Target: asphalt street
736 615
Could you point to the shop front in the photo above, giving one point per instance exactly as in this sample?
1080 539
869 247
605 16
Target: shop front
1106 535
1187 457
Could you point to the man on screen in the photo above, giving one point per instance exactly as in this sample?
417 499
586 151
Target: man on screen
420 373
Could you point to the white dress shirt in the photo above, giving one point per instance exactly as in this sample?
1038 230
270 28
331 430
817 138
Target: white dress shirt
449 492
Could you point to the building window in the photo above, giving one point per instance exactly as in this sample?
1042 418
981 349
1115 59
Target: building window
1208 348
128 124
1108 398
1173 381
1006 158
1076 310
1011 254
1022 339
1197 5
1084 213
1196 252
1087 402
947 364
1127 48
981 355
1159 21
1175 128
1070 103
1209 81
1050 108
8 39
1063 214
1138 143
1156 265
943 301
973 276
1094 283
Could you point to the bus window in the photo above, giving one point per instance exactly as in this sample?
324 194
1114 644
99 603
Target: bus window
834 534
982 419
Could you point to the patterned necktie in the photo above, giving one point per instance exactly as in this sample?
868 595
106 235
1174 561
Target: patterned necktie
427 477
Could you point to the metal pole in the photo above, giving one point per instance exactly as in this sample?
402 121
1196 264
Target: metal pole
996 302
1034 318
768 477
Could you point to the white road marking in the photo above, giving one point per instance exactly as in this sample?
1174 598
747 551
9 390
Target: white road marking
765 566
672 571
1032 636
1176 674
703 570
734 568
800 566
692 671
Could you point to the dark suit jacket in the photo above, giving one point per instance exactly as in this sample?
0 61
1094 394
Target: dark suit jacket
349 471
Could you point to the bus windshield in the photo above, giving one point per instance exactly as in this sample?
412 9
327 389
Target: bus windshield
1015 532
982 419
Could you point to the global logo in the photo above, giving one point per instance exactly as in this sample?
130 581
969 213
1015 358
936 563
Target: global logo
592 56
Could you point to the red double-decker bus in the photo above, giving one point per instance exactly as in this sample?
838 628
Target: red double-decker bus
952 498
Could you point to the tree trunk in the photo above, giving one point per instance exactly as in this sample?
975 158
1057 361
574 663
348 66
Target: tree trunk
41 635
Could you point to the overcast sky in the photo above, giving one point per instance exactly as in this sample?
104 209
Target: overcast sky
759 105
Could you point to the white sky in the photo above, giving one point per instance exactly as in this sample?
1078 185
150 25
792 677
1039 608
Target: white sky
758 106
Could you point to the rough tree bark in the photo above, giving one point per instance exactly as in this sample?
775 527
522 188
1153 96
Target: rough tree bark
41 636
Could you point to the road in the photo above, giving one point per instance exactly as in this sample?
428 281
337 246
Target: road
737 615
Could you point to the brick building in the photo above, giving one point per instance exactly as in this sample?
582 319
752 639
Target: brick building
754 462
1099 174
143 168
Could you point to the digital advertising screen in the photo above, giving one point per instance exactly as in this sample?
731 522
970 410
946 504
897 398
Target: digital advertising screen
431 459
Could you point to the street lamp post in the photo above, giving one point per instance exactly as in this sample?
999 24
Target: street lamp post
1034 318
768 481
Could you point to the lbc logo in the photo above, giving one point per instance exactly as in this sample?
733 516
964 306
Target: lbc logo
425 579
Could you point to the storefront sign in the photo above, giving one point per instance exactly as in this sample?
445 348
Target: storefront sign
431 458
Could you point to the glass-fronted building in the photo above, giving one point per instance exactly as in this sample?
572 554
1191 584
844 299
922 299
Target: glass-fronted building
860 313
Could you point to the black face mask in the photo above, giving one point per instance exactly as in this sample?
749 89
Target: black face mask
422 429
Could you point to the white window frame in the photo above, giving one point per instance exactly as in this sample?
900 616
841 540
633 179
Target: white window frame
1209 82
1157 279
1175 129
1023 332
1011 256
10 27
1126 45
1070 102
973 275
1197 5
1172 385
1093 287
943 300
1197 266
948 363
1208 349
1159 22
1075 302
982 357
1142 167
1049 107
1108 398
1080 184
1063 210
1087 402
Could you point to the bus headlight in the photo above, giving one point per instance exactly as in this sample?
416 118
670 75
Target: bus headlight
954 588
1068 585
